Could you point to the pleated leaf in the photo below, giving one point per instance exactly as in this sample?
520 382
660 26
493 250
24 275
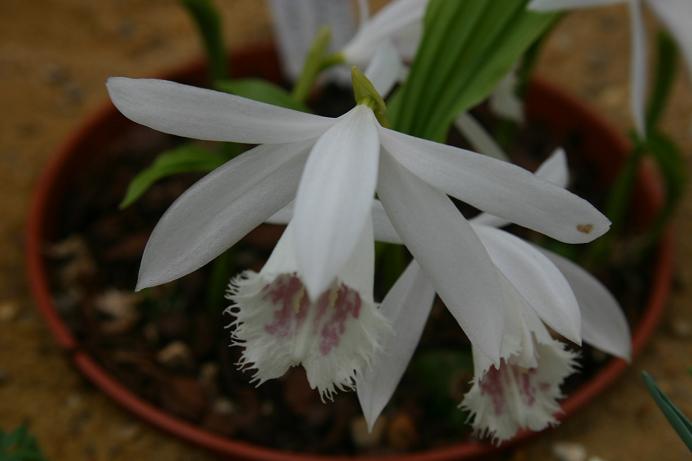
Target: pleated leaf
208 23
466 49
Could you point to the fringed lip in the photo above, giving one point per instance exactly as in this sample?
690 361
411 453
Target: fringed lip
277 326
511 397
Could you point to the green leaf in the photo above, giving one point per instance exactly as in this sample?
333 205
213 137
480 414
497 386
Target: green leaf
621 190
184 159
19 445
675 417
262 91
466 49
670 162
662 83
671 165
208 24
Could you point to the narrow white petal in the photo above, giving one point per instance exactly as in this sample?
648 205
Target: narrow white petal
383 228
449 251
556 5
385 68
537 279
335 196
603 323
677 17
359 270
282 259
406 306
210 115
554 169
638 66
499 188
387 23
479 138
487 219
219 210
283 216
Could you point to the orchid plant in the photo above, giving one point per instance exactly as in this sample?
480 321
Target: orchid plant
382 172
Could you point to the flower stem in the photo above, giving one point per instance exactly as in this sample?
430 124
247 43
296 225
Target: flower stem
316 61
208 22
617 206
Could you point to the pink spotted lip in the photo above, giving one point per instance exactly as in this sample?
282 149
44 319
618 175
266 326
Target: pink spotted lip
329 314
495 381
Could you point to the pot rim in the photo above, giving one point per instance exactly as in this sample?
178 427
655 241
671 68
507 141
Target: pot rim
50 184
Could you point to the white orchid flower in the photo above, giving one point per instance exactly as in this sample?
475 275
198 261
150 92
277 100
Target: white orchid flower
333 167
334 336
676 15
523 391
541 287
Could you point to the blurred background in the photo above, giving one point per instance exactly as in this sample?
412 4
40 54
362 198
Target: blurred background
54 58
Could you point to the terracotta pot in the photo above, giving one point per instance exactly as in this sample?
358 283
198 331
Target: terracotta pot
565 116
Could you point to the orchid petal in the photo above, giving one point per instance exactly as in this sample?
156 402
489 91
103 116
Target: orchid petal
677 17
556 5
406 306
385 68
283 216
638 66
210 115
387 23
219 210
603 323
335 196
499 188
449 251
359 270
536 279
383 228
478 137
554 170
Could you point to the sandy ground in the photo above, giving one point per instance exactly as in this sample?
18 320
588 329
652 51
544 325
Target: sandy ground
54 58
